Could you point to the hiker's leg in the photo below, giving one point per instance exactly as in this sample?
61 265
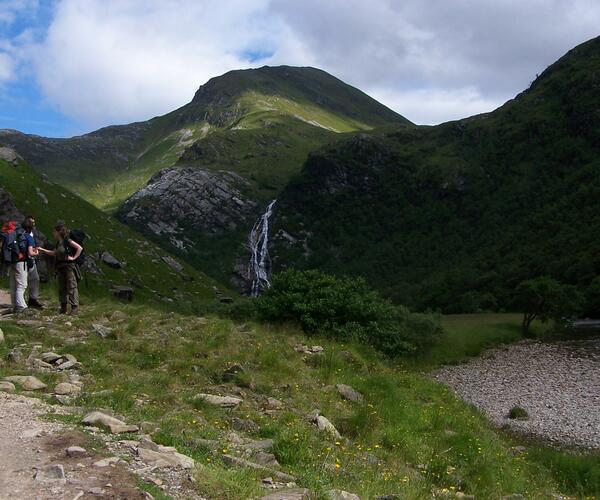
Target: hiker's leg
33 280
20 285
12 278
62 286
72 291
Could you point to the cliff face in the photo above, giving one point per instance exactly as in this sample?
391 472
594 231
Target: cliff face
178 203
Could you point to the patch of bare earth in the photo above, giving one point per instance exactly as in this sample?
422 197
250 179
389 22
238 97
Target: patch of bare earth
33 456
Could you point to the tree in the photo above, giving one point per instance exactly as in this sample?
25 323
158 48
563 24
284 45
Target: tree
544 298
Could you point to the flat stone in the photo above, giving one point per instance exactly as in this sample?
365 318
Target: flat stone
341 495
55 471
114 425
241 462
105 462
28 382
76 451
289 494
264 444
70 365
273 404
102 331
266 459
165 458
7 386
66 388
50 357
222 401
349 393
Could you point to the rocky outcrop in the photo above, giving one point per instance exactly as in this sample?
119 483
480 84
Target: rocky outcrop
181 201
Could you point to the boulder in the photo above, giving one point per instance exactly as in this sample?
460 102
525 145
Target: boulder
114 425
222 401
7 386
165 457
265 458
66 388
349 393
27 383
289 494
341 495
264 444
323 424
110 260
76 451
102 331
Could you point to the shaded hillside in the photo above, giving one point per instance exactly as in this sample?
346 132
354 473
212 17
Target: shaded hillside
454 216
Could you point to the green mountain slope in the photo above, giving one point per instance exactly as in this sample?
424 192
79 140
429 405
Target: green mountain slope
110 164
454 216
145 267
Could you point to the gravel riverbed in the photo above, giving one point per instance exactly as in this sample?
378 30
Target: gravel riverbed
557 383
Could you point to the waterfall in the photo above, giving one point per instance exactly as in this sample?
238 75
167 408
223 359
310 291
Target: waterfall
260 263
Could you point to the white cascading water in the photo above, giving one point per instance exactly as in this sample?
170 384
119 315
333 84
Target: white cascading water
260 263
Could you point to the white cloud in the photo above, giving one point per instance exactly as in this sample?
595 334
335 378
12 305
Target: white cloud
112 61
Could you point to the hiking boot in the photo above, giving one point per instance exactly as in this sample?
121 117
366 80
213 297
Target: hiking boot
36 304
20 310
74 311
63 309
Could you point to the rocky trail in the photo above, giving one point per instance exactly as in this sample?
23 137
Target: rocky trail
43 459
557 384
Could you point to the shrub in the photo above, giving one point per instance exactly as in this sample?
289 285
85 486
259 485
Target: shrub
346 309
518 413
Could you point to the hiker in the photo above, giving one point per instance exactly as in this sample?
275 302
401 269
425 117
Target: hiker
33 277
66 253
17 250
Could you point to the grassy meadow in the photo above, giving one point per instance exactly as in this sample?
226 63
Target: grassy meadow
410 437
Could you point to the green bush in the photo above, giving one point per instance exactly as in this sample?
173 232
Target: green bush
346 309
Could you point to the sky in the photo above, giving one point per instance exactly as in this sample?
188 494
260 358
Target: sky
68 67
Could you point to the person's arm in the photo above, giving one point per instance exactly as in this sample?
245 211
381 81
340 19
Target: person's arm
32 251
78 249
51 253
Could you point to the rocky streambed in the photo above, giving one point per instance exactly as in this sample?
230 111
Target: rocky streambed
557 384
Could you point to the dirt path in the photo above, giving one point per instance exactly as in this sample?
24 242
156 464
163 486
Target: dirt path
558 384
32 452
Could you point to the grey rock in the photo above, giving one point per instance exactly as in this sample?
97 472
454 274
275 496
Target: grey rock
106 462
222 401
110 260
165 457
192 200
266 459
55 471
341 495
66 388
289 494
9 155
244 425
27 382
7 386
349 393
76 451
263 444
231 371
102 331
114 425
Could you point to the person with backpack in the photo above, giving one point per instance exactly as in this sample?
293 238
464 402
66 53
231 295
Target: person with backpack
17 249
33 277
67 252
